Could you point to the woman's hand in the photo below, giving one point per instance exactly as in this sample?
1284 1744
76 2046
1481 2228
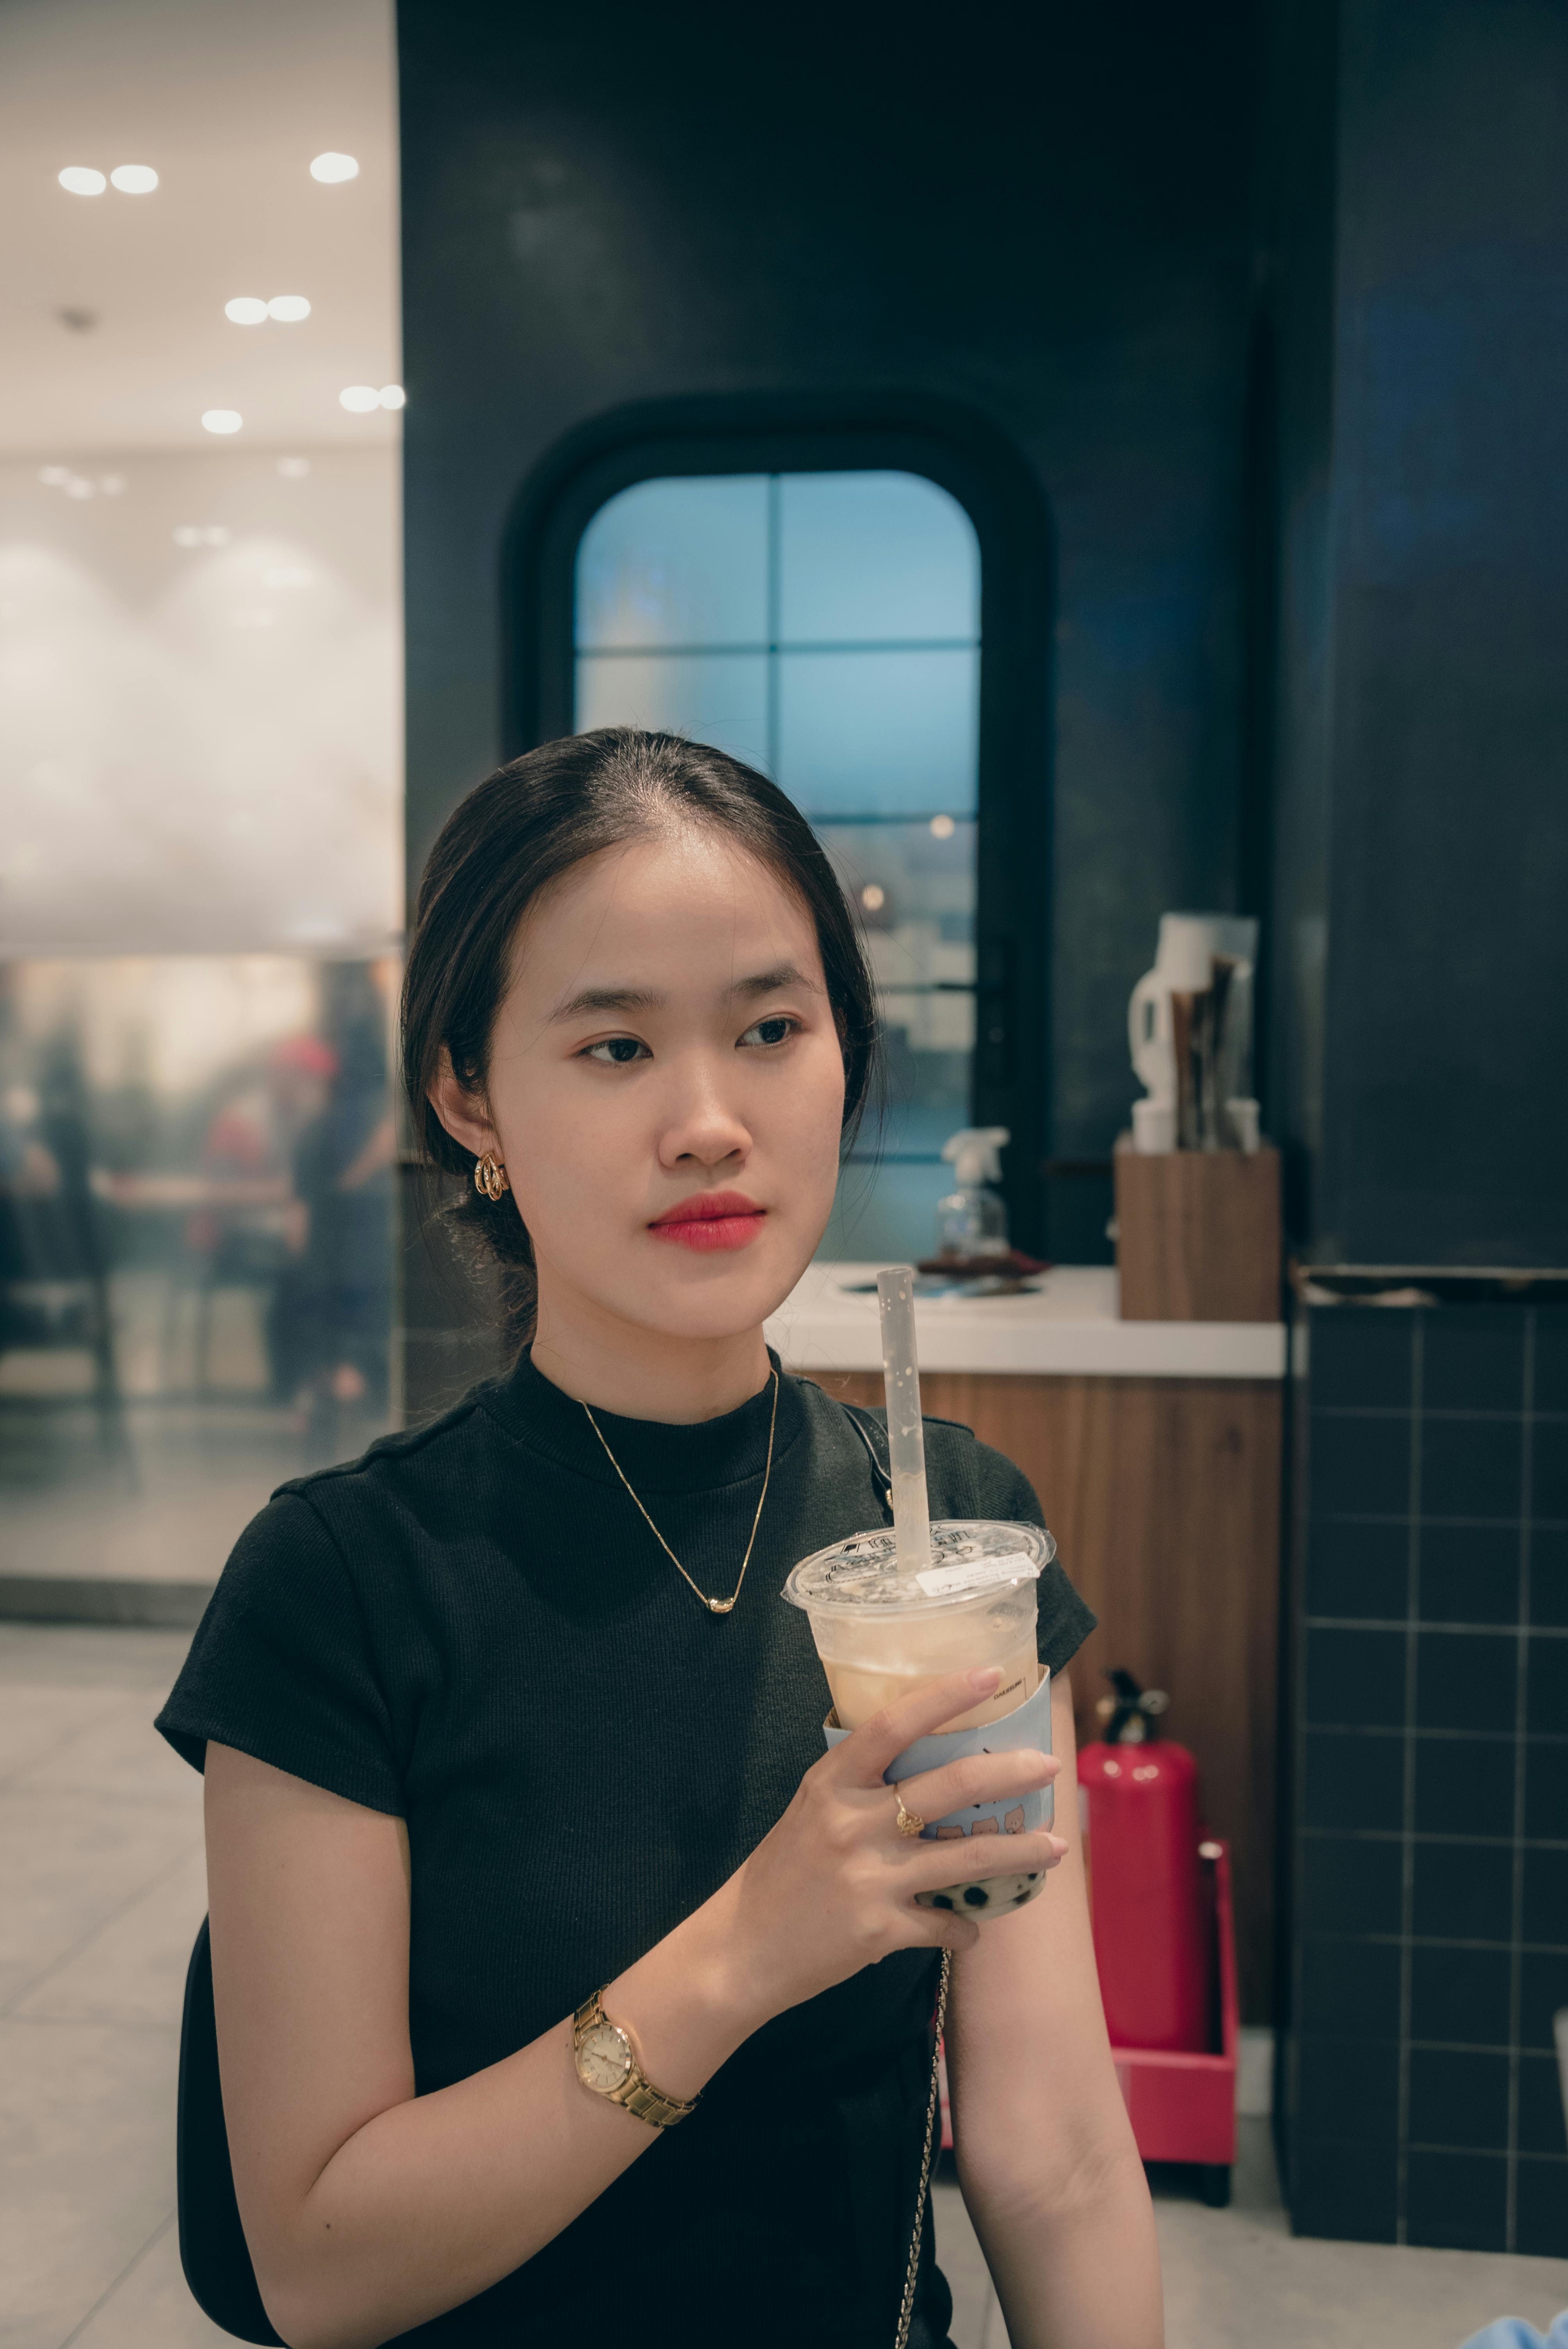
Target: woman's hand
832 1888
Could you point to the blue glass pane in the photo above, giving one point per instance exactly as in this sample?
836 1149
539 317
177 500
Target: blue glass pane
874 555
718 697
886 1214
676 563
901 873
879 733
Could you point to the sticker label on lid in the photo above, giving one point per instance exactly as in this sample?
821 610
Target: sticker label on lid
976 1573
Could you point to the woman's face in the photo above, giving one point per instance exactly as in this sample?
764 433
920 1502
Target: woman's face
666 1087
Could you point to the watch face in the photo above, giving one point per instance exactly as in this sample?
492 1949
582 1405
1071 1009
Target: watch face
604 2058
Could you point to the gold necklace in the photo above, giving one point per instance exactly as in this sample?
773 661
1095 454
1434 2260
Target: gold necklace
714 1606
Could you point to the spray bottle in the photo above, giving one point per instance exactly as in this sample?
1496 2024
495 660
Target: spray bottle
973 1220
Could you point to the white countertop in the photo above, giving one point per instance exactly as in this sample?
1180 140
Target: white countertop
1069 1326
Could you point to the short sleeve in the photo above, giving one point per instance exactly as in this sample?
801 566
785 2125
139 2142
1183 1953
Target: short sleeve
1065 1622
281 1667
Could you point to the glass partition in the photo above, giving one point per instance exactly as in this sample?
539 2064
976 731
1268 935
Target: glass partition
196 1157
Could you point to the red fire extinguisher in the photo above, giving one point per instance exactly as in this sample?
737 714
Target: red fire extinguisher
1150 1931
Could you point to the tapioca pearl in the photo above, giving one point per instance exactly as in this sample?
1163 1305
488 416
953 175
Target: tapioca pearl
976 1896
941 1900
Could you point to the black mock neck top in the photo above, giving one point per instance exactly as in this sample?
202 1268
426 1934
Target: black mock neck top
472 1627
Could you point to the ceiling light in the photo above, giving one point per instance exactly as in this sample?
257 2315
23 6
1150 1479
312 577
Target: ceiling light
246 310
53 477
187 535
133 179
222 419
79 487
193 533
874 896
359 399
330 168
81 179
392 395
293 469
942 827
289 307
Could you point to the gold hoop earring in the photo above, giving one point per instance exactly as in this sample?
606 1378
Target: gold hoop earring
490 1176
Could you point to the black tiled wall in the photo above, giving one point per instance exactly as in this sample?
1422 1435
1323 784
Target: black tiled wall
1429 1891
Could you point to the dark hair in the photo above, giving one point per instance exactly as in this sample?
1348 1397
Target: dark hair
520 829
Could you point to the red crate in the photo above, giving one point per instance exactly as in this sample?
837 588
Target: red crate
1183 2108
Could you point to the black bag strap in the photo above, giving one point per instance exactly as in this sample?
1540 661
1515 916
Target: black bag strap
213 2252
868 1428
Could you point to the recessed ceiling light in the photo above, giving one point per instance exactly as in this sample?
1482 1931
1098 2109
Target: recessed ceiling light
222 419
133 179
331 168
293 469
246 310
53 477
289 307
78 486
81 179
359 399
392 395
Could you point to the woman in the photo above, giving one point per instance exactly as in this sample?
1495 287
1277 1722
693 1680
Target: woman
509 1712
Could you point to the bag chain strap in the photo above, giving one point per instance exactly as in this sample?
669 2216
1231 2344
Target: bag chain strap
912 2276
906 2314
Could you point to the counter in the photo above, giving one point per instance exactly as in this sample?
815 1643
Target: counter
1069 1326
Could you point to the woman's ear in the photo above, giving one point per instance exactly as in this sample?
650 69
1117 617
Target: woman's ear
462 1113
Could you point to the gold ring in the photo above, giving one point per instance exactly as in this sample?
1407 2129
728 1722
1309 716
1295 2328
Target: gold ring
909 1823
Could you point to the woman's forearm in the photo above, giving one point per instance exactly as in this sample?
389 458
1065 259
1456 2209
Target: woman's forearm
437 2196
1076 2268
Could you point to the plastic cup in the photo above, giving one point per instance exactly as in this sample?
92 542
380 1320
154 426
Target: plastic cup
882 1631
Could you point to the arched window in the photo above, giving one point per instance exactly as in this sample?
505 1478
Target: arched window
861 607
825 627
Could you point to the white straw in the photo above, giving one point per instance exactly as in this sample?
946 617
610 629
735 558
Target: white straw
906 1436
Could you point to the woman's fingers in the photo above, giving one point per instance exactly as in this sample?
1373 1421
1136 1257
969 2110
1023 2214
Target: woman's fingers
865 1755
967 1857
975 1778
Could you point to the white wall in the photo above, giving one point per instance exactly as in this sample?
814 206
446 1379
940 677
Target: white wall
200 746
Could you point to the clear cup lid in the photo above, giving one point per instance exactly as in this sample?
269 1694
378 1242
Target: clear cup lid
968 1556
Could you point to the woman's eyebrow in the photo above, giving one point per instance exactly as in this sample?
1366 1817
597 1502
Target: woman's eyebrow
764 982
609 998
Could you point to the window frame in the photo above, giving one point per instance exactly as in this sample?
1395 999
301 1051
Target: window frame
990 478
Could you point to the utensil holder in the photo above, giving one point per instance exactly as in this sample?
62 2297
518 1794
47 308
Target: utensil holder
1198 1234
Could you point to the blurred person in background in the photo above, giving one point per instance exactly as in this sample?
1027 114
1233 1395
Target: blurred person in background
330 1321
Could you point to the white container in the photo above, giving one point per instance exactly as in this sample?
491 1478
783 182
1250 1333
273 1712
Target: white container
1184 963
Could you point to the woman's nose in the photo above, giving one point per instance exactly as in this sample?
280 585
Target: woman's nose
700 1124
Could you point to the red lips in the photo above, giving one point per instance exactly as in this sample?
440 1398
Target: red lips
711 1219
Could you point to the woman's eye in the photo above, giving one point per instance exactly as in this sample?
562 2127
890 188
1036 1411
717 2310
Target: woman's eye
771 1031
615 1052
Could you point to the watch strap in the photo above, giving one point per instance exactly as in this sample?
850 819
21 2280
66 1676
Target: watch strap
637 2093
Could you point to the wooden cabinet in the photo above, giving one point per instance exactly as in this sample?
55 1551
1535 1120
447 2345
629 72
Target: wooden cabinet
1164 1499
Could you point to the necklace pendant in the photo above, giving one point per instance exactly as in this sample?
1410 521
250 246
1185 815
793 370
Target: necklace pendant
720 1606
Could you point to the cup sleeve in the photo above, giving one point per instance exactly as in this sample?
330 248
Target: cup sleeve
282 1667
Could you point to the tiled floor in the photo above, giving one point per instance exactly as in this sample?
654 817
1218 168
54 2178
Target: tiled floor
101 1831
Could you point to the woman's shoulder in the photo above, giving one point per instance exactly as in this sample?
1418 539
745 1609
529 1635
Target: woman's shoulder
404 1465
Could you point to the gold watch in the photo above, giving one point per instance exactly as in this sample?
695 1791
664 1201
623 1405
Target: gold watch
607 2064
